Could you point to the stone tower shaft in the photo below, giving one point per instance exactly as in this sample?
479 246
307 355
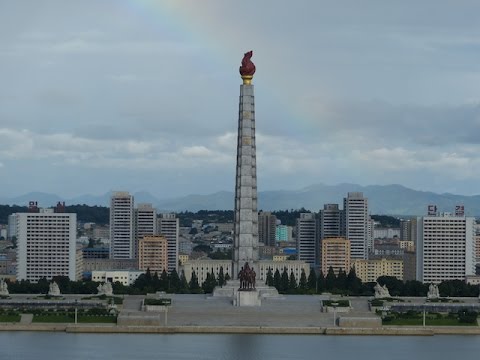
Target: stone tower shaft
246 215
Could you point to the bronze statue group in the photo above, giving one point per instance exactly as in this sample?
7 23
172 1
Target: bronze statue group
247 278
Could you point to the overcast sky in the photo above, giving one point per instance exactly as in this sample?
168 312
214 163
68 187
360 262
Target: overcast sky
143 95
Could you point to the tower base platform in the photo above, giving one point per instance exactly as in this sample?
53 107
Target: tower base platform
246 298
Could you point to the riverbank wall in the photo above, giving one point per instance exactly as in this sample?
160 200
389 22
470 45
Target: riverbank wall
387 330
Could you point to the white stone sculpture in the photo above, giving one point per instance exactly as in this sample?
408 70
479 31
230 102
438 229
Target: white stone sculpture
105 289
53 289
381 291
3 288
433 292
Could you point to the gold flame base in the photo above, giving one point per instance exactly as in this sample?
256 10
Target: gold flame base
247 79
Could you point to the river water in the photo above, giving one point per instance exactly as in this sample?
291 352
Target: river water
40 346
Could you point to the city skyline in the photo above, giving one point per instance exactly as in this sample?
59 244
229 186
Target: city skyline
137 95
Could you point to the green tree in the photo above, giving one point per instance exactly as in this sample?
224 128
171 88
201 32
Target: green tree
277 279
64 284
203 248
164 281
341 280
312 280
330 279
395 286
415 288
227 277
354 284
284 281
183 283
221 255
148 274
457 288
213 278
193 285
320 283
209 283
156 281
269 279
303 282
221 277
174 281
292 283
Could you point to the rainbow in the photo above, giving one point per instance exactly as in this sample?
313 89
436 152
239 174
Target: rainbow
188 21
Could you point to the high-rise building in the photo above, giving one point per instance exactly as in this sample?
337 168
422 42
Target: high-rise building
145 223
409 265
477 243
357 224
335 254
12 227
169 226
46 245
408 230
331 221
307 239
370 235
122 234
283 233
152 254
267 223
445 247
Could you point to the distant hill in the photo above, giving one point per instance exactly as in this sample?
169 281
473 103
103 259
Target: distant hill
383 199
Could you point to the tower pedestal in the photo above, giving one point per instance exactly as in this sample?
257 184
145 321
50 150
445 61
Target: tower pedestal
238 297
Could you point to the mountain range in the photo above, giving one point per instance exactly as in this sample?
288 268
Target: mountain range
383 199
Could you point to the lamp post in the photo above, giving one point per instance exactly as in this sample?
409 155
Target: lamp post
76 311
334 304
166 315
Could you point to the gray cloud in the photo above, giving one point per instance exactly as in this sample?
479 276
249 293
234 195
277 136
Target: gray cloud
146 98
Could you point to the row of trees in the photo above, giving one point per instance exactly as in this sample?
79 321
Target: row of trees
287 283
284 282
173 283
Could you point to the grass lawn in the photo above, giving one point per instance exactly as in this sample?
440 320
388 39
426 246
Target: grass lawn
71 319
428 322
9 318
52 319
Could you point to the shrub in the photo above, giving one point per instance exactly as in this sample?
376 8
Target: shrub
467 317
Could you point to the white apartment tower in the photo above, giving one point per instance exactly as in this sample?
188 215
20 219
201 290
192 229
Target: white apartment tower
357 224
145 223
122 236
307 239
169 226
445 247
46 245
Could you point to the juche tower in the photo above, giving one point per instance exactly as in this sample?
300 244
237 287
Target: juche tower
246 215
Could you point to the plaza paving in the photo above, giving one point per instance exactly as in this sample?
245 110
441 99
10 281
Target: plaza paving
288 311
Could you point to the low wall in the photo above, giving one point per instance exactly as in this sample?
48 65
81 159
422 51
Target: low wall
111 328
360 322
338 309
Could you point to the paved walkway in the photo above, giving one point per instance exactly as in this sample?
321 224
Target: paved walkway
132 303
26 319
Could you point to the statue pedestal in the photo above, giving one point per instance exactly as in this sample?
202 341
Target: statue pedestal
230 290
247 298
